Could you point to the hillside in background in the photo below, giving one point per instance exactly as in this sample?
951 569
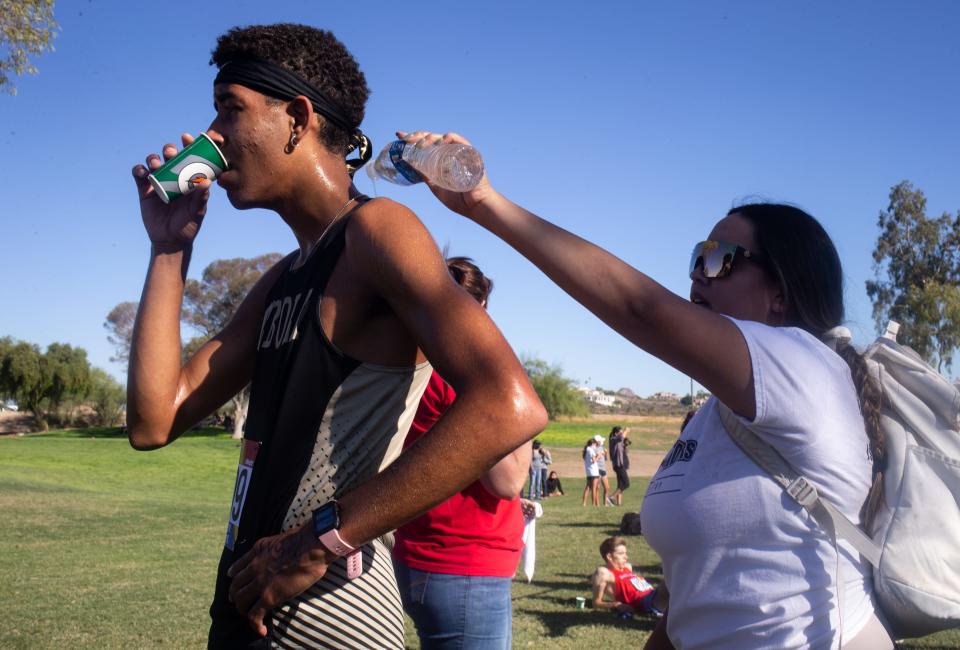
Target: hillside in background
624 401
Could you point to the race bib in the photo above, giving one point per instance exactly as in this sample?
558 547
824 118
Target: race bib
640 584
248 455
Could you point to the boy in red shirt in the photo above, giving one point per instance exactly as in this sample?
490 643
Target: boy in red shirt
617 587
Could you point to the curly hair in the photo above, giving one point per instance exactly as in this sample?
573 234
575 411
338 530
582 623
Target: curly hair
314 54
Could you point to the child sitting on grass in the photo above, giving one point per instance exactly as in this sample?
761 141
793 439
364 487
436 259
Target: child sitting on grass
554 489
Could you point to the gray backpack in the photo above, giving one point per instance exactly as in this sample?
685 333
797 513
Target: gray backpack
914 546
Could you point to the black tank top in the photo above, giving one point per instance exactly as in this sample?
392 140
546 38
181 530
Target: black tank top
319 422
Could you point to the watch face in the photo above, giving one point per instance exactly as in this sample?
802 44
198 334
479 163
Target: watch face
326 518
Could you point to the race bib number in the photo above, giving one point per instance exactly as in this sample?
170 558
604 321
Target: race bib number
640 584
248 455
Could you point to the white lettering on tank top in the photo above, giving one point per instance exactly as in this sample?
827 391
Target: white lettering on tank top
279 316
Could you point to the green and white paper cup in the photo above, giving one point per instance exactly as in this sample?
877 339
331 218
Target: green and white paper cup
201 159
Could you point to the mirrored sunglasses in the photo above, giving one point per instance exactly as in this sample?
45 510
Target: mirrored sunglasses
716 258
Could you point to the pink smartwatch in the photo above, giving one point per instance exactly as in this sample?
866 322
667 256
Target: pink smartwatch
326 525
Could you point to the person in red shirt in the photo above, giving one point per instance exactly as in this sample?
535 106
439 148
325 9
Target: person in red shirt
456 562
617 587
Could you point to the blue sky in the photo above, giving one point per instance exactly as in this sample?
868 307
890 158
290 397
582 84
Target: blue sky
634 124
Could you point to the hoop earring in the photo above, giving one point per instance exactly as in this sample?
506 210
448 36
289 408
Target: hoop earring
292 144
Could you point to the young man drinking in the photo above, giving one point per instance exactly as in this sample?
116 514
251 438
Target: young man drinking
334 341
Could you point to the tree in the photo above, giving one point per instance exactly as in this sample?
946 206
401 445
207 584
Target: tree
52 384
106 397
26 27
40 382
6 344
69 373
210 303
24 377
917 275
556 392
119 324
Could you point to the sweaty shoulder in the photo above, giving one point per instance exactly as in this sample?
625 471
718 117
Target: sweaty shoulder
388 245
381 219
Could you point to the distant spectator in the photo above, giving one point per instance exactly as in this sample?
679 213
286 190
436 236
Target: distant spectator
620 460
592 471
537 466
604 482
547 461
617 587
554 489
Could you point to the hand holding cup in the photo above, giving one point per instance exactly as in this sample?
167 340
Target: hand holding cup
173 225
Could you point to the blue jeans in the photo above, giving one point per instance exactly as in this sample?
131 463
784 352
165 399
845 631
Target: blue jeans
454 612
535 491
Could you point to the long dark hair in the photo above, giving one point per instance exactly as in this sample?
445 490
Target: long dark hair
803 259
614 432
591 441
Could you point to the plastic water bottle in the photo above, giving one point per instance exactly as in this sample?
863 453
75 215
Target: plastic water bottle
452 166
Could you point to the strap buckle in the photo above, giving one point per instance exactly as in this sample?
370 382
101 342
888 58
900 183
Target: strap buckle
803 492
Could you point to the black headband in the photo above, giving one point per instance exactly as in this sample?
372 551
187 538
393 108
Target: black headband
276 81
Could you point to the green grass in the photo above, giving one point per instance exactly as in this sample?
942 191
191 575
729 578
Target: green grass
568 540
107 547
653 433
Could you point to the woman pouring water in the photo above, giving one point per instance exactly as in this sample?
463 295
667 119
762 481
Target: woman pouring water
745 567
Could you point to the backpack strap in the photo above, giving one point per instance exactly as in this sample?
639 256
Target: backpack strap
798 487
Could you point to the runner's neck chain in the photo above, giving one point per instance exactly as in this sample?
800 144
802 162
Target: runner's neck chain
305 255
